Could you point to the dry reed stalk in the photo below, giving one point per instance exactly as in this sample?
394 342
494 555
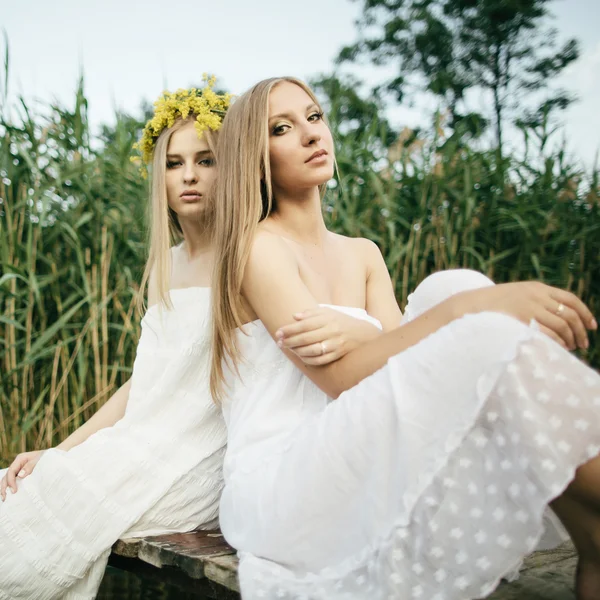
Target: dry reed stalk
46 426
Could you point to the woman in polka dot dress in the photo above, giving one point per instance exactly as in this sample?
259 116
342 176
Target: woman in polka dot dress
421 463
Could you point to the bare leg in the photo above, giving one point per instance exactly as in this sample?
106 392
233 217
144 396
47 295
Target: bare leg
583 525
585 488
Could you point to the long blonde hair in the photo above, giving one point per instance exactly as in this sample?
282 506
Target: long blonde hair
243 197
164 230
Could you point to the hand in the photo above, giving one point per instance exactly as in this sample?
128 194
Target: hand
560 314
22 466
323 335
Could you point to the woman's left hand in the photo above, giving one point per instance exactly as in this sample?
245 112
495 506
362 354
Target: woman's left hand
323 335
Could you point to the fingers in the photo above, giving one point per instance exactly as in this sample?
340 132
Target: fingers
554 336
573 319
311 338
331 348
21 467
9 480
303 327
27 469
311 312
574 312
319 353
323 359
311 350
296 329
11 477
3 485
559 326
572 301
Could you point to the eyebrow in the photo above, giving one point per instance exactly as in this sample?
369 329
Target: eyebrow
200 153
287 116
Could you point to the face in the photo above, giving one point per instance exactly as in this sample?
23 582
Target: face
190 172
300 143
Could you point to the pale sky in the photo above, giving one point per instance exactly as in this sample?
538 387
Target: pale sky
132 49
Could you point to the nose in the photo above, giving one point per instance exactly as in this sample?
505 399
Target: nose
190 174
310 136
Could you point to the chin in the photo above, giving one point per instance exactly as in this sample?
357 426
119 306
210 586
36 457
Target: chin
191 211
321 176
324 179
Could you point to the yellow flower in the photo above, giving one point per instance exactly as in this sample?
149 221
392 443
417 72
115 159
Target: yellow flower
208 107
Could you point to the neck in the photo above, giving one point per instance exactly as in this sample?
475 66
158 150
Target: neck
196 237
300 215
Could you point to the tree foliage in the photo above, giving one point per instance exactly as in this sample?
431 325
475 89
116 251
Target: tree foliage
504 48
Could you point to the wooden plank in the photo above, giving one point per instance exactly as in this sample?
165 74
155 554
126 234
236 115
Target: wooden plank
173 578
545 575
545 558
128 548
196 555
206 556
223 570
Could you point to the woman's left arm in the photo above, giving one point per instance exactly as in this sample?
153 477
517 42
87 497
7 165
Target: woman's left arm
322 335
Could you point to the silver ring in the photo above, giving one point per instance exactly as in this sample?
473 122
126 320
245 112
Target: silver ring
560 309
323 350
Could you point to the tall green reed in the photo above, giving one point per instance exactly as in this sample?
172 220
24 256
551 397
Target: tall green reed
72 244
435 202
71 250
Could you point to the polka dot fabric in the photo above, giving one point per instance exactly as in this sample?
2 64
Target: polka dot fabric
429 479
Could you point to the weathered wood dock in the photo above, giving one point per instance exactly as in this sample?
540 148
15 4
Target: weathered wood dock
203 562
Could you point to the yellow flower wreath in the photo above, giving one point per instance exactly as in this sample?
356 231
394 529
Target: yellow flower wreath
208 106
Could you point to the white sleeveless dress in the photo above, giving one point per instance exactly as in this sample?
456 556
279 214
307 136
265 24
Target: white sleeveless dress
158 470
429 479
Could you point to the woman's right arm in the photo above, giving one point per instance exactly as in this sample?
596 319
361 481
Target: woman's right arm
110 412
274 289
113 409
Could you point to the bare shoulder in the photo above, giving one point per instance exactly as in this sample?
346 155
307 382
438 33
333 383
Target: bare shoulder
356 243
362 248
368 247
269 255
272 287
269 245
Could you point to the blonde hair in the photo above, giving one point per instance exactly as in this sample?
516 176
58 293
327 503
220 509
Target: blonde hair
164 230
243 196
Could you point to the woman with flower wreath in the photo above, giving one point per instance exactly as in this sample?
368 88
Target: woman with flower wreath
149 461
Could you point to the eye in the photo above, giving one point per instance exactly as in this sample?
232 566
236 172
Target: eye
171 164
206 162
280 129
316 116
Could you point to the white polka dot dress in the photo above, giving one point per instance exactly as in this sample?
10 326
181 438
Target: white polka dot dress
428 480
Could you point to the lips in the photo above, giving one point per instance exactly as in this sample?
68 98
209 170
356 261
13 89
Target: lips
316 155
190 195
